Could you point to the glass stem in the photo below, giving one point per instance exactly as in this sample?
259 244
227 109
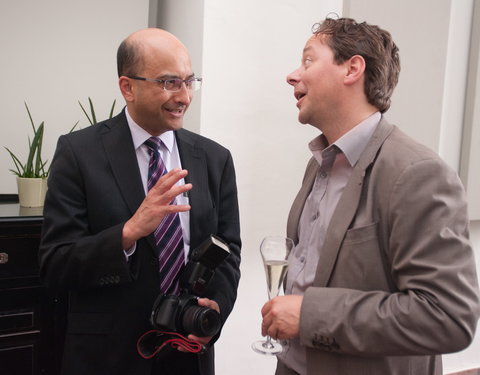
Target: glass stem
268 343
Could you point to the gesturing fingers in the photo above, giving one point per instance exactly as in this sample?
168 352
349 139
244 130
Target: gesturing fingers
156 205
167 183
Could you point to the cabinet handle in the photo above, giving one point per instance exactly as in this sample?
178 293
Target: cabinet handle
3 258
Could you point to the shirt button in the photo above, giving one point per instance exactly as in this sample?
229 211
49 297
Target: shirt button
302 259
323 174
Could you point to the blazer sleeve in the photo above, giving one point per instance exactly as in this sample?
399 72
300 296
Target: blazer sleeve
223 288
434 305
72 255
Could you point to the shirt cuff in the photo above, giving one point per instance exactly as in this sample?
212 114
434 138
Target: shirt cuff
129 252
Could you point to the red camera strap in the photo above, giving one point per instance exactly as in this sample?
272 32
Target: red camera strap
153 341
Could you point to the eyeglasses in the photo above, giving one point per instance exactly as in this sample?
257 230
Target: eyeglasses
174 84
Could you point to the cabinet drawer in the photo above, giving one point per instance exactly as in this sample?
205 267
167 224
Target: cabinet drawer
20 310
13 321
18 254
17 360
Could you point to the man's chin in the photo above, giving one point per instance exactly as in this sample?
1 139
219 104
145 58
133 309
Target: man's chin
302 120
175 125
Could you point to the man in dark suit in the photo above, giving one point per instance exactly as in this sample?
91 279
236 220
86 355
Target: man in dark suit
100 216
382 279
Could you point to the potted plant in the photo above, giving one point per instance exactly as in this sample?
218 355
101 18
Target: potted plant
31 175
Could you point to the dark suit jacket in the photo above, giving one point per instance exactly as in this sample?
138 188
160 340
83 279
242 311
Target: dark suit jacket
396 283
93 188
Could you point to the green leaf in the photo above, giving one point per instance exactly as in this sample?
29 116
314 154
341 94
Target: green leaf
18 164
34 166
94 118
30 116
38 158
113 107
86 114
36 142
73 127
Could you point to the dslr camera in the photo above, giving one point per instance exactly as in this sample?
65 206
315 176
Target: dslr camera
182 313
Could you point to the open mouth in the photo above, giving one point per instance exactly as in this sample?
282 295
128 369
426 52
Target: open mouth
175 111
178 110
299 95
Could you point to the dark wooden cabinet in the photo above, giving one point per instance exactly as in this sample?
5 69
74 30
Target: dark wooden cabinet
31 320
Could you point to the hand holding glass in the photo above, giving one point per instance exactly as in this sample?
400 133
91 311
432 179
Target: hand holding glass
274 250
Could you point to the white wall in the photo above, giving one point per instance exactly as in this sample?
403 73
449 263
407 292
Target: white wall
471 132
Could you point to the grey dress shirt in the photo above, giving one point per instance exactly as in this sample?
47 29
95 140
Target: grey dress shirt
336 164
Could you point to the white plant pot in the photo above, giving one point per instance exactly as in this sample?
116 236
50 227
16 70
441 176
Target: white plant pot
31 191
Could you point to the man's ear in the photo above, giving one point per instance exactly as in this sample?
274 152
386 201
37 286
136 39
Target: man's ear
355 69
126 88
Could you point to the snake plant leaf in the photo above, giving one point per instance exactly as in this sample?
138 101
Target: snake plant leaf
113 107
34 152
92 110
18 164
92 116
34 167
86 114
30 117
38 158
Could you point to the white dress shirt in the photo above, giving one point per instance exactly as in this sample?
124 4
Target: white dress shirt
171 158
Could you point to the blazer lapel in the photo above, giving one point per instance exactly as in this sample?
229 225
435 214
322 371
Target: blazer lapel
120 152
347 206
299 202
193 160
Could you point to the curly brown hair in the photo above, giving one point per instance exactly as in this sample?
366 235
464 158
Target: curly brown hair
348 38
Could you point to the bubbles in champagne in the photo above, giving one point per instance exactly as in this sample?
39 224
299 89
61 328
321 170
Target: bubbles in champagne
275 271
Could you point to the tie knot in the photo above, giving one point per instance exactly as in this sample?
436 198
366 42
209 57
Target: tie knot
153 143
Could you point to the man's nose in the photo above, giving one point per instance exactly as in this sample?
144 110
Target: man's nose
293 78
184 95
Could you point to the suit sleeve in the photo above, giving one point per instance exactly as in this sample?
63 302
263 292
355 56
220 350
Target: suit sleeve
71 256
223 288
434 305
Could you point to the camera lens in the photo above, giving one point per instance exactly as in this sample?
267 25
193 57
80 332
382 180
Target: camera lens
201 321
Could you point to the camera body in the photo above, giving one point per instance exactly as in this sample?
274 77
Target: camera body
181 313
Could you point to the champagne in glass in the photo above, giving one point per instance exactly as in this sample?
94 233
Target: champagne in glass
274 250
275 271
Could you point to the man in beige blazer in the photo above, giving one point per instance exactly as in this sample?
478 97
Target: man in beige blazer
382 278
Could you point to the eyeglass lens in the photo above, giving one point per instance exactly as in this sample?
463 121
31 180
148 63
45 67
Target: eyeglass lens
176 84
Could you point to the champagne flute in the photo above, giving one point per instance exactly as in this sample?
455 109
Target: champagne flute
274 250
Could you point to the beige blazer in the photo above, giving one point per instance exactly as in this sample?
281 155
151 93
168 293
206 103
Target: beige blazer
396 283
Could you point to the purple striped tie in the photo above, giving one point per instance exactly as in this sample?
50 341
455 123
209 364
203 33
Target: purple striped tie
168 235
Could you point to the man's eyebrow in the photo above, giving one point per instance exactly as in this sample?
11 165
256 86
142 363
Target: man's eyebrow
306 49
174 76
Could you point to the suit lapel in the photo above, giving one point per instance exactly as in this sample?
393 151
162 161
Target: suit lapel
193 160
120 152
347 206
299 202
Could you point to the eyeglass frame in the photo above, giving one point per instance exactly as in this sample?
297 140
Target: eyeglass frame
164 82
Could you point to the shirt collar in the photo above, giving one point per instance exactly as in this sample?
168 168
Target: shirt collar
352 143
140 135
